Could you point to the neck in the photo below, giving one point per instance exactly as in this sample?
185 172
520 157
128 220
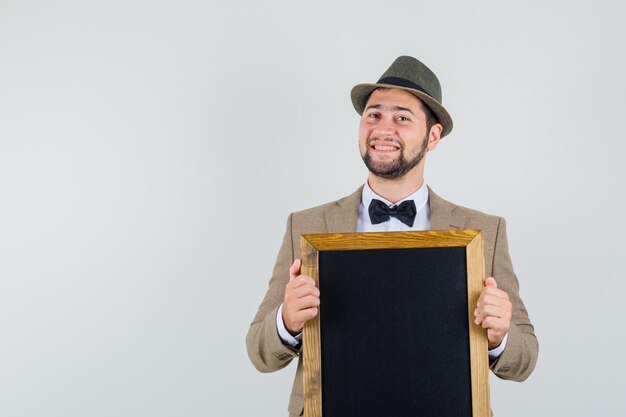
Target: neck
395 190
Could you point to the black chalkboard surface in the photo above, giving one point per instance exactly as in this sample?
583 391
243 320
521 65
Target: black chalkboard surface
397 321
393 335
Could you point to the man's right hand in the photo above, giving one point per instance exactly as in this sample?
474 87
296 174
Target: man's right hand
301 301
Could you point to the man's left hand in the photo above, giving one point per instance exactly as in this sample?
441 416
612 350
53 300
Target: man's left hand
493 312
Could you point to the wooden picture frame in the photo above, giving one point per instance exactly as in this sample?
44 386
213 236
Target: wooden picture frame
361 365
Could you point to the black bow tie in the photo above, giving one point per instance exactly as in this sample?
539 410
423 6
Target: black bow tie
380 212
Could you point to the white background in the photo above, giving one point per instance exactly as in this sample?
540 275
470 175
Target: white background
150 152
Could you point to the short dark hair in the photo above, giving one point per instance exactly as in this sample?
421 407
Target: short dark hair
431 119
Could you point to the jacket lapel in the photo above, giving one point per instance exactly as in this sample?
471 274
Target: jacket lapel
442 213
343 215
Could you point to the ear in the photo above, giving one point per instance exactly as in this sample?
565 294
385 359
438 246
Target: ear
433 136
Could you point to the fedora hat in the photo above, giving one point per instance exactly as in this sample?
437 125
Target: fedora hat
407 73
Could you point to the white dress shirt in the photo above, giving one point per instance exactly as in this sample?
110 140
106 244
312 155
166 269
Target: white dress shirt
422 218
364 224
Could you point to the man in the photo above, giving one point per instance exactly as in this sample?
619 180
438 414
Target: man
402 119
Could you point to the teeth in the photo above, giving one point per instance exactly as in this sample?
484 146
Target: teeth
384 148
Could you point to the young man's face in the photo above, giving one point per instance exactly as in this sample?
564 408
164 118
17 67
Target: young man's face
392 134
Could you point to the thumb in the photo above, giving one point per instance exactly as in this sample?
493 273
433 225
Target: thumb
491 282
294 269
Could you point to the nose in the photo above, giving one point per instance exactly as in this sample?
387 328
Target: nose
384 127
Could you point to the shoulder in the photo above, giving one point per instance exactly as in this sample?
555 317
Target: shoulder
493 227
336 216
448 215
474 215
469 214
347 202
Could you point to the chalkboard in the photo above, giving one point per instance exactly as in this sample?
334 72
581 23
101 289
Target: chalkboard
395 335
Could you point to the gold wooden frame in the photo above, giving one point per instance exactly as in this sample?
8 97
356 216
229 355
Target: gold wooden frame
471 240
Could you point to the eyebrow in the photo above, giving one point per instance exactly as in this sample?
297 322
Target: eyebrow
388 108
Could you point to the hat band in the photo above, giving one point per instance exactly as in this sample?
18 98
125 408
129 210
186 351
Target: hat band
401 82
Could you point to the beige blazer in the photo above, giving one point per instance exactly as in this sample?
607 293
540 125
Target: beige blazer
269 354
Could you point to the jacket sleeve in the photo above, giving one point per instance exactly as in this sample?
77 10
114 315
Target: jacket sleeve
520 355
265 348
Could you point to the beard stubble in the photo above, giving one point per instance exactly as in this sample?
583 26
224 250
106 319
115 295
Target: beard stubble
397 168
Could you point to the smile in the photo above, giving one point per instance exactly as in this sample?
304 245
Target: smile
385 147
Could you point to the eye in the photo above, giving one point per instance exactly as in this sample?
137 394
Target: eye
373 116
402 119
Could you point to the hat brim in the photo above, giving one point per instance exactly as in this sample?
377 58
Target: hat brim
361 92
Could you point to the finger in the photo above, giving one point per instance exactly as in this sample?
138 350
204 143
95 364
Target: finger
478 317
305 315
479 313
303 291
496 307
297 311
495 292
496 311
293 296
304 303
495 324
294 269
301 280
491 289
497 299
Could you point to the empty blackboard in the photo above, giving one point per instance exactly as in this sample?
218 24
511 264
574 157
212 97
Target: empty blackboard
394 335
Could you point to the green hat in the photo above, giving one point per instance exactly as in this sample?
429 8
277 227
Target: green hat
407 73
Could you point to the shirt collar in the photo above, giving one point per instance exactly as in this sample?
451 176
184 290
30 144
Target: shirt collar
420 197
